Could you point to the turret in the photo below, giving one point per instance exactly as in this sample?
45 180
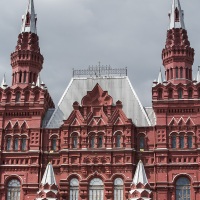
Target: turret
140 188
26 60
48 186
178 56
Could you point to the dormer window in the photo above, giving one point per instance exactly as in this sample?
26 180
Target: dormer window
28 18
176 15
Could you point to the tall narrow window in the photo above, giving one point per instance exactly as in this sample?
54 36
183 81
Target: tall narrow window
118 140
172 75
183 189
74 142
96 189
168 74
23 144
189 141
176 72
17 99
118 189
53 144
182 141
20 77
160 94
74 189
24 77
13 190
16 144
176 15
92 141
186 73
8 99
173 141
141 143
8 144
100 141
189 93
170 94
180 93
181 72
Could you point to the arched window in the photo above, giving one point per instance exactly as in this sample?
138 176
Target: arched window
189 141
189 93
53 144
92 141
23 144
100 141
20 76
75 142
183 189
168 74
16 144
8 144
180 93
173 141
74 189
17 99
24 77
176 72
13 190
37 94
27 95
118 189
182 141
170 93
181 72
141 143
118 140
176 15
8 99
96 189
172 76
186 73
160 94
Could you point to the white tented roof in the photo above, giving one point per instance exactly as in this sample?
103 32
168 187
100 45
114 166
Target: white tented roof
48 177
119 88
140 175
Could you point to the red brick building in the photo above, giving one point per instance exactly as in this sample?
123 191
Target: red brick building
99 132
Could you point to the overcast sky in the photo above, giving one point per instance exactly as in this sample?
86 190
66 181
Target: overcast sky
79 33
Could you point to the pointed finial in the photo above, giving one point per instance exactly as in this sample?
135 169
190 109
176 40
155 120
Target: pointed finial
3 83
198 75
176 16
29 19
160 79
38 83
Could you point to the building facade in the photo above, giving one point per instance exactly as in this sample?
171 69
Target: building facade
100 132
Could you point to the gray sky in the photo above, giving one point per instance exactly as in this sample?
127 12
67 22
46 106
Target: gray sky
79 33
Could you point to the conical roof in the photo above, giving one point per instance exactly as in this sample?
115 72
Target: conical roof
140 175
160 78
49 177
3 83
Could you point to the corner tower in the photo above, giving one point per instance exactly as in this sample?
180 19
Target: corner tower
176 99
178 56
26 60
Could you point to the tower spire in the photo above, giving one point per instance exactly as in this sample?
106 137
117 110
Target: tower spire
178 56
29 19
26 60
176 16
